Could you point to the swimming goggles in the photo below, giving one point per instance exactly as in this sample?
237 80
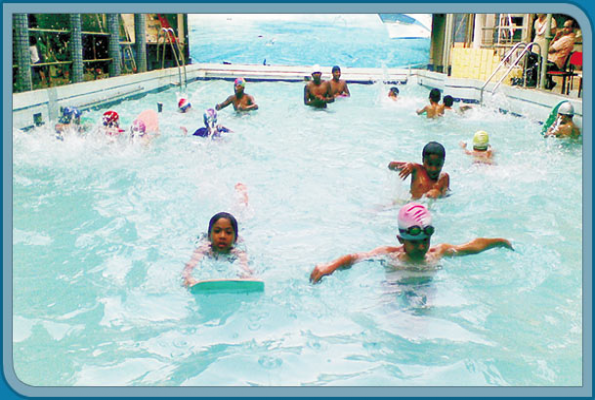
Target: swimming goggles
416 230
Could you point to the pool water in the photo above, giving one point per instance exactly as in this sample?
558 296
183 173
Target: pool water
102 232
347 40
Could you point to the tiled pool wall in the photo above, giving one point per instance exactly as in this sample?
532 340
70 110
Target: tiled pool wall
41 106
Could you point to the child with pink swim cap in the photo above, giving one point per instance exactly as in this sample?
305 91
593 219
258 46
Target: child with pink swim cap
241 101
415 232
427 178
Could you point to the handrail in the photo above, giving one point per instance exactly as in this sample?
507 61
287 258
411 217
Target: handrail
507 56
168 35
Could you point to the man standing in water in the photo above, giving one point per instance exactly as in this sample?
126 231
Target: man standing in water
317 93
241 101
338 86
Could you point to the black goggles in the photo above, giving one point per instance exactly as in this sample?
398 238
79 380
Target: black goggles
416 230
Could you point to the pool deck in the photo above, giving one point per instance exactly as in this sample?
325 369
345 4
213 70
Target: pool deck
44 104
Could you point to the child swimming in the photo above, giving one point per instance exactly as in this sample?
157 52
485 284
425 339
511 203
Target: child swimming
427 179
415 232
482 151
211 128
434 109
222 239
69 121
111 123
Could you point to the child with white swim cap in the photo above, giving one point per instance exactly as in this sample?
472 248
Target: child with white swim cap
415 232
564 126
482 151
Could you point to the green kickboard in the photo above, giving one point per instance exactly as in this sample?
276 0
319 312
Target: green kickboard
228 286
552 117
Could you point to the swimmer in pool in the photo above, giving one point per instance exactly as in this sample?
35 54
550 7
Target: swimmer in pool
111 123
241 101
393 93
415 232
482 151
338 86
69 121
447 103
427 178
434 109
564 127
222 239
184 105
211 128
317 93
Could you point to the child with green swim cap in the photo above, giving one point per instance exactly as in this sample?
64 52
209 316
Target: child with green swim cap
482 151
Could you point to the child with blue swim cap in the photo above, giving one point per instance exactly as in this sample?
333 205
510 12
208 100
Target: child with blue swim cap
69 120
414 233
211 128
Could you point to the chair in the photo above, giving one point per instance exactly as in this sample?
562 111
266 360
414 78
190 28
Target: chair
564 73
576 63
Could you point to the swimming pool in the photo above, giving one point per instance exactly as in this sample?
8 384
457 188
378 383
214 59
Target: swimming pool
347 40
102 232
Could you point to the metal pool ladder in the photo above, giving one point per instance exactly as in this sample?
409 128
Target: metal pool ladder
170 37
527 48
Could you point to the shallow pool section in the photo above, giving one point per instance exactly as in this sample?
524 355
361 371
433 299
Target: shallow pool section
102 232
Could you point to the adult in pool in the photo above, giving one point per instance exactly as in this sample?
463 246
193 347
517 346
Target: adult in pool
415 232
317 93
338 86
564 126
222 239
427 178
241 101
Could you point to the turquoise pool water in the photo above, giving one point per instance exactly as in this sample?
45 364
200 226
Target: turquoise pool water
102 232
347 40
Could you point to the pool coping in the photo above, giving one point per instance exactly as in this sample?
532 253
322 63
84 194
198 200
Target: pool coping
44 105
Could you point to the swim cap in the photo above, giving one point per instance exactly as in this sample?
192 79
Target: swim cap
71 111
566 109
481 140
240 82
210 117
68 113
138 126
336 68
394 90
183 104
316 70
110 117
414 215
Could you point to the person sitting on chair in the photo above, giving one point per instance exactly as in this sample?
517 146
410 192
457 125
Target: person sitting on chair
560 49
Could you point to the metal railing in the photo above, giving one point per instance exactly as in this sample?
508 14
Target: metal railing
170 37
527 48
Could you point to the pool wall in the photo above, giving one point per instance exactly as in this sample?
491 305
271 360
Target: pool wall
44 105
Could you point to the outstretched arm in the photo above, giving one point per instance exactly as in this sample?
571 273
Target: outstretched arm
423 110
224 104
404 168
345 262
243 257
474 247
197 255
